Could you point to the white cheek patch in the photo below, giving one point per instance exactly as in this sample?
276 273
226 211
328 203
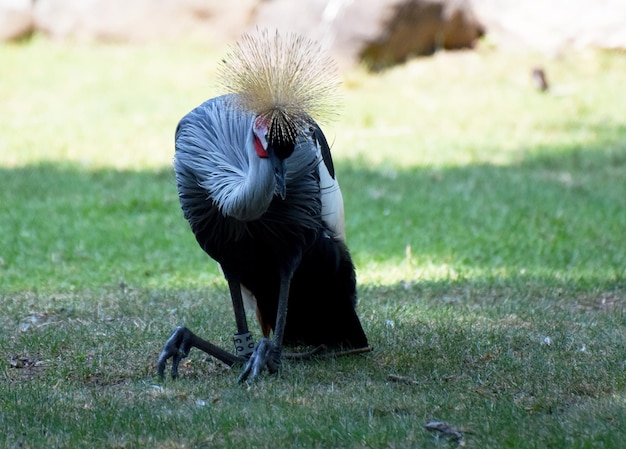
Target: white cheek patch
260 137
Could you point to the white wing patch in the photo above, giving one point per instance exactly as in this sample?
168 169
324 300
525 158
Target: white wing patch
332 201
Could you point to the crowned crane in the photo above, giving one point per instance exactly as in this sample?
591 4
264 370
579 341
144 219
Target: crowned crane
257 185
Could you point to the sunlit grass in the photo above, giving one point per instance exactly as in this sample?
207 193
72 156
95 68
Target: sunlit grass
98 107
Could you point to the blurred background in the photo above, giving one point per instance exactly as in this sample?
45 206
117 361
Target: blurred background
379 32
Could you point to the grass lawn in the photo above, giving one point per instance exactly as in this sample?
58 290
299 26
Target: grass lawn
487 221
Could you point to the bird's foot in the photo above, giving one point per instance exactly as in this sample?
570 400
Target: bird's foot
181 341
265 355
177 348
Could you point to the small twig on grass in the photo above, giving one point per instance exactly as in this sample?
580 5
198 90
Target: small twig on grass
402 379
447 431
319 352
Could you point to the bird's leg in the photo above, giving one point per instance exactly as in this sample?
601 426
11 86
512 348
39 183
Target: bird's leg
244 344
267 353
281 313
181 341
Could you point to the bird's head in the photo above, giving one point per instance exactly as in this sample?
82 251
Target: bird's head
287 82
271 137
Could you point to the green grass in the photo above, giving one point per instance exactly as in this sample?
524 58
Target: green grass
486 221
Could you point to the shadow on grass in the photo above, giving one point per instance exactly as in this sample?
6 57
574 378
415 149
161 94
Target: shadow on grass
558 213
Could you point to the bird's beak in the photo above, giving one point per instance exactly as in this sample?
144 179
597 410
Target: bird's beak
279 174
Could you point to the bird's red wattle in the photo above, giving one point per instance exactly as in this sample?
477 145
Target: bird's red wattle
260 151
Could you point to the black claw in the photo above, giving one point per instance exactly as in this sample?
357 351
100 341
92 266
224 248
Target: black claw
177 348
265 355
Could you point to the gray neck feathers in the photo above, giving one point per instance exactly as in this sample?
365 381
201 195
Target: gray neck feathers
216 146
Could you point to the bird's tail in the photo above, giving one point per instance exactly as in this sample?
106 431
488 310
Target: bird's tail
323 299
285 79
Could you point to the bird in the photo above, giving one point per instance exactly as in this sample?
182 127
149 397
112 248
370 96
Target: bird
257 185
539 79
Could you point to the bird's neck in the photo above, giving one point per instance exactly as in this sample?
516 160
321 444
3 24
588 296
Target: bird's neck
247 193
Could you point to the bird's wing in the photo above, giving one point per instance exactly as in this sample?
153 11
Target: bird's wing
332 200
322 143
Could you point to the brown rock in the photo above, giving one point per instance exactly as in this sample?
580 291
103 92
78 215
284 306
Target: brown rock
142 20
555 25
16 19
420 28
377 32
